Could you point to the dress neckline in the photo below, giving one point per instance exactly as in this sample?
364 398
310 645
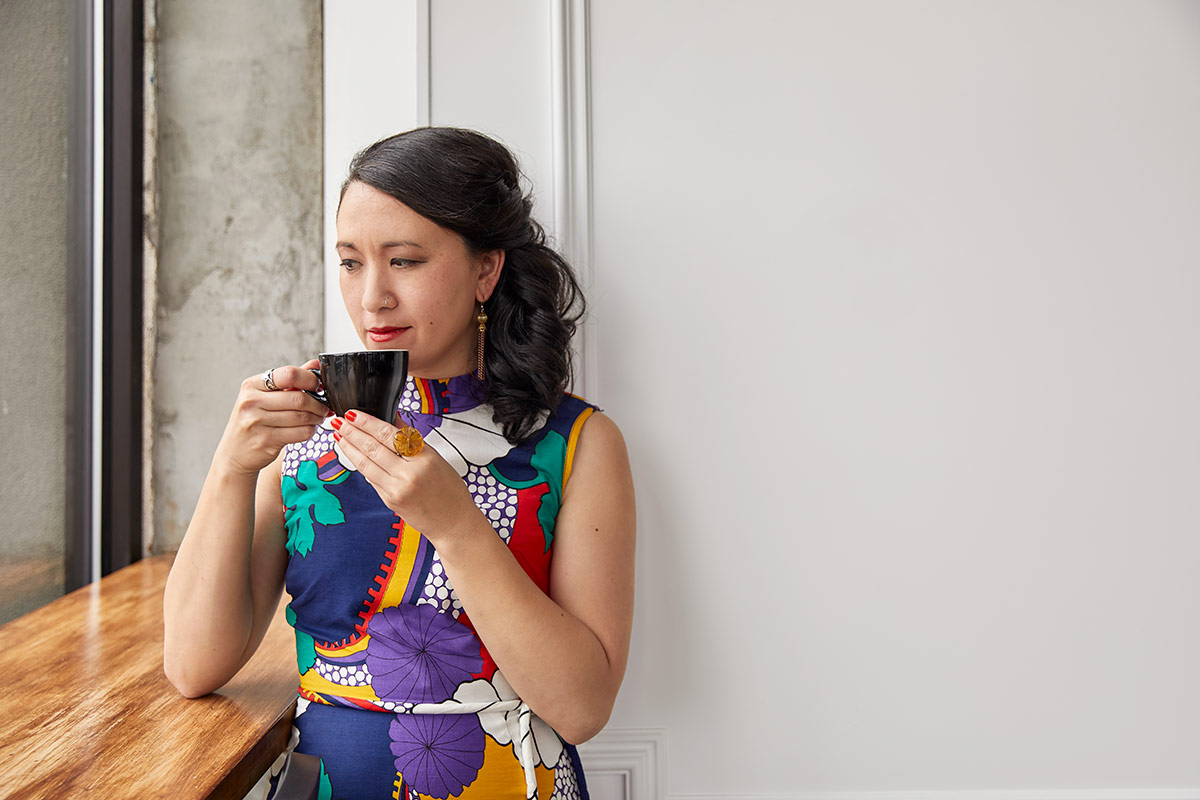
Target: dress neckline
441 396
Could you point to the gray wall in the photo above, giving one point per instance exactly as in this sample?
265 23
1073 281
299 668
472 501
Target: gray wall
33 299
239 227
931 268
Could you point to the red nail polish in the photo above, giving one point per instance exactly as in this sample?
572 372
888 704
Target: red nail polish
350 415
337 423
337 437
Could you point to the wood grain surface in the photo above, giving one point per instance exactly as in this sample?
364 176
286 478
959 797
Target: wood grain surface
86 711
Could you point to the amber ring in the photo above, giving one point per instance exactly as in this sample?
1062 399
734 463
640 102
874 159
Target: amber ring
408 442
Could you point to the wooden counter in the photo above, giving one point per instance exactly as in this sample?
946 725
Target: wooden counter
85 710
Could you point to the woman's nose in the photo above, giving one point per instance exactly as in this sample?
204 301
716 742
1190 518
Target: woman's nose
376 294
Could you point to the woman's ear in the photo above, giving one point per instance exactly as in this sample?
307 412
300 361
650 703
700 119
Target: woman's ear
491 264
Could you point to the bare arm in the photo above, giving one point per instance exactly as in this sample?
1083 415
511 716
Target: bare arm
564 654
227 577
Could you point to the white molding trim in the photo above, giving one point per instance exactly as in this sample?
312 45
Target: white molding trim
954 794
424 65
571 112
98 101
636 755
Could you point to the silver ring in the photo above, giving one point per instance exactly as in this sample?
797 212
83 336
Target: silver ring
269 381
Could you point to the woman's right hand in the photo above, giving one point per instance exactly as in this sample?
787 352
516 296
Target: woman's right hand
263 421
229 572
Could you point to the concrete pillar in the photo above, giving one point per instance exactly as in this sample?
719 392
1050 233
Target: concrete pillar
239 232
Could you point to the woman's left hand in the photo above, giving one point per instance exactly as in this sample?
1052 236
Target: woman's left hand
423 490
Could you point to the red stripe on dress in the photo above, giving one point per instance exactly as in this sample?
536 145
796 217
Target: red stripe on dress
388 567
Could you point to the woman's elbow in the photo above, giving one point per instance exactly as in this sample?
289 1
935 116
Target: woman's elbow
185 681
579 735
585 724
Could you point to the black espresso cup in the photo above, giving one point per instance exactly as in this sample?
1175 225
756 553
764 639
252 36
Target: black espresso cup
369 380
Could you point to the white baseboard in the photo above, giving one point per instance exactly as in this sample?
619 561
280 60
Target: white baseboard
953 794
630 764
627 763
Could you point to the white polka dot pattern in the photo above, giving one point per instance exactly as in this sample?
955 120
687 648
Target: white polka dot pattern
310 450
565 785
497 501
350 675
438 592
499 504
410 399
399 708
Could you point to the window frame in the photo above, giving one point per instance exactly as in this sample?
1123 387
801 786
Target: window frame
103 506
121 361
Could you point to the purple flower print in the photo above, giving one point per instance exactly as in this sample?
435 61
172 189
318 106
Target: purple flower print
418 655
438 754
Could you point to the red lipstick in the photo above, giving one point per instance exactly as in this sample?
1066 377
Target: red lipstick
384 334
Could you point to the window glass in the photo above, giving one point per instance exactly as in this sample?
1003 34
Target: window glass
34 303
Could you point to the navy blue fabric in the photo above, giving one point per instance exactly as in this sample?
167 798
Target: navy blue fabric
327 587
353 746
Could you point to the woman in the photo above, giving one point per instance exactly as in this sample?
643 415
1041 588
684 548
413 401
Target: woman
461 660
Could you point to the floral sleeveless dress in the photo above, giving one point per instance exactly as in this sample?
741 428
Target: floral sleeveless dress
398 696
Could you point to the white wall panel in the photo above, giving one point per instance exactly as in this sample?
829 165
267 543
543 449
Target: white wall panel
376 84
517 71
490 70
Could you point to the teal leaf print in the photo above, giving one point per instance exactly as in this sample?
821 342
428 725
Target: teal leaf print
306 646
549 459
307 500
325 789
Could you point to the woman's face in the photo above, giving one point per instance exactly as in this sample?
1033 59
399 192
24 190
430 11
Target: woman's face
411 284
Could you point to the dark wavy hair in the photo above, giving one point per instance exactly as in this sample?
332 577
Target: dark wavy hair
471 184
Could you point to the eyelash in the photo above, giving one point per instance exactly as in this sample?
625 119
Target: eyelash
350 264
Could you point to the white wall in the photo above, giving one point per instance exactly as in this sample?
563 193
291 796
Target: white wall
376 84
897 306
490 70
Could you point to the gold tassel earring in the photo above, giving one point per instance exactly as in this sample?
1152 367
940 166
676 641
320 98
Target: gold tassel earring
481 318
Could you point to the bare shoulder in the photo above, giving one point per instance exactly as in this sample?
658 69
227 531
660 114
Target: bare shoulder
592 572
598 501
601 458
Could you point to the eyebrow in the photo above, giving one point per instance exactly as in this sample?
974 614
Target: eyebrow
385 245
